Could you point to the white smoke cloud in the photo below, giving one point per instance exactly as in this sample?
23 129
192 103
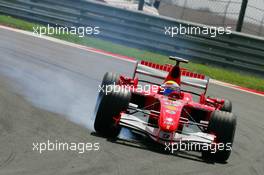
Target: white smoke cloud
53 89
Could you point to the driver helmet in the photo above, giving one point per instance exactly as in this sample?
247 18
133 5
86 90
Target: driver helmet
170 87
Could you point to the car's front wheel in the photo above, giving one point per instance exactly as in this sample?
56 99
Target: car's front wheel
223 125
109 106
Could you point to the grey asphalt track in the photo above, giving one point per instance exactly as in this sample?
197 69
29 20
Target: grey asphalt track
48 92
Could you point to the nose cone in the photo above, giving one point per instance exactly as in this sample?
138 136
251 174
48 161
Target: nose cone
170 115
169 120
168 124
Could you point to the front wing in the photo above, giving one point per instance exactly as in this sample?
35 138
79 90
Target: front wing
137 124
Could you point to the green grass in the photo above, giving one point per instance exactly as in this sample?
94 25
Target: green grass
213 72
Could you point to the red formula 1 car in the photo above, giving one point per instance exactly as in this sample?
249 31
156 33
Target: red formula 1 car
165 112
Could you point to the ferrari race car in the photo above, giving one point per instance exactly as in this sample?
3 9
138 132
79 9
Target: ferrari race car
166 113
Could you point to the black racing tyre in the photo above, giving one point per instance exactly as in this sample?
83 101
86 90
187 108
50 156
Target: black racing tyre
227 106
109 79
109 106
223 125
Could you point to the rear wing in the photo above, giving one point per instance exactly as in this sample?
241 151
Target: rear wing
161 71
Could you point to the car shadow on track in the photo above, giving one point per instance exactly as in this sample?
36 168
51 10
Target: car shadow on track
145 143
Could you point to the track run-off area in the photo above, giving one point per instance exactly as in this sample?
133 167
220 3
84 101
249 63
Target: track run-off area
48 91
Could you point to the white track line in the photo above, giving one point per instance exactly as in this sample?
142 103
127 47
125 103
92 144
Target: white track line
220 83
90 49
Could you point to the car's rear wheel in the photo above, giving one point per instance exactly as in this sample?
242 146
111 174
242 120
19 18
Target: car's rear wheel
108 107
227 106
223 125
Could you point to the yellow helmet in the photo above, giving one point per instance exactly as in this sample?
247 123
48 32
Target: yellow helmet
170 87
